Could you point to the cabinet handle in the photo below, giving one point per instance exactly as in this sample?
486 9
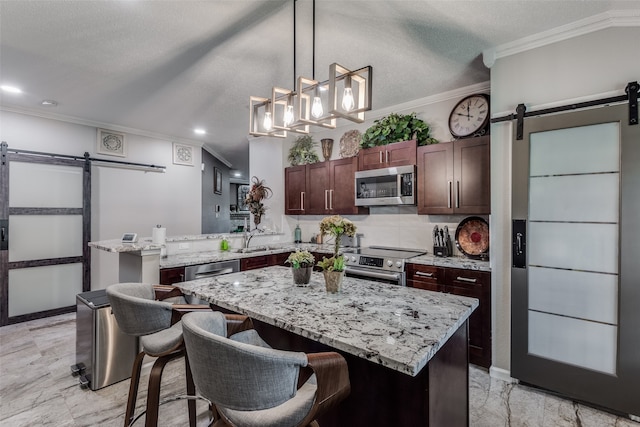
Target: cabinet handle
449 196
457 194
182 277
326 195
381 157
330 199
302 200
386 153
420 273
466 279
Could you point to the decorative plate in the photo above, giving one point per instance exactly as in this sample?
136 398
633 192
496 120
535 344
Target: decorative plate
350 143
472 237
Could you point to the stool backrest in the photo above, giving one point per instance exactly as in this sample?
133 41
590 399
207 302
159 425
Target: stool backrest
236 375
136 310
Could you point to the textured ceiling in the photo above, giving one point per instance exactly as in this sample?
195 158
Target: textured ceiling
165 67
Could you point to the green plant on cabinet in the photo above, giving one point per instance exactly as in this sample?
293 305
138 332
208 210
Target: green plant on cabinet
395 128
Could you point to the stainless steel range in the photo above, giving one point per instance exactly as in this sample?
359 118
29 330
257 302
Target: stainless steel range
379 263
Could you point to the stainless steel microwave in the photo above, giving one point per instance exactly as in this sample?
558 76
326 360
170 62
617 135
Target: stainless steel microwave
386 186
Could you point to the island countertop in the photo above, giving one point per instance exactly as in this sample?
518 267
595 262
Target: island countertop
394 326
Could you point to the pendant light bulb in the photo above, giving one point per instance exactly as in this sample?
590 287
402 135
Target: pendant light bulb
267 121
316 108
288 115
347 99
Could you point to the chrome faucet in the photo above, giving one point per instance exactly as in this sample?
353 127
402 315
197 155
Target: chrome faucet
248 235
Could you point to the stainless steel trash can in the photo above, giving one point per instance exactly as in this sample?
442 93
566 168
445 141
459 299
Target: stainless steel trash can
104 354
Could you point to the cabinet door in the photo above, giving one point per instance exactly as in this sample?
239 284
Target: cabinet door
294 189
472 178
371 158
475 284
255 262
317 188
279 259
342 197
400 153
169 276
435 179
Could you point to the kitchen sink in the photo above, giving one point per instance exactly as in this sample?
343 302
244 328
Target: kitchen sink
251 250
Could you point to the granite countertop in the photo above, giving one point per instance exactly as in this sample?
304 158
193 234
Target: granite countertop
451 262
195 258
116 245
397 327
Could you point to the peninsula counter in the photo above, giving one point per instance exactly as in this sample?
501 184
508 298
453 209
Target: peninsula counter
406 348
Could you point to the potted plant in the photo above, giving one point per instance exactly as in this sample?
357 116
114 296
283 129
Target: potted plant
301 266
333 267
395 128
256 194
303 151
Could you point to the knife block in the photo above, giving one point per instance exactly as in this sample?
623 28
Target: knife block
441 251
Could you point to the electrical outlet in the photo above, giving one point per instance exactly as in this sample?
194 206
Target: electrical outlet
183 245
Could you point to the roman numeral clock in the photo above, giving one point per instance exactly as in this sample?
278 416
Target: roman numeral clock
470 116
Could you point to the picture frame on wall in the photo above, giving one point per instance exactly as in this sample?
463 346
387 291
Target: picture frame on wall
111 143
242 195
182 154
217 181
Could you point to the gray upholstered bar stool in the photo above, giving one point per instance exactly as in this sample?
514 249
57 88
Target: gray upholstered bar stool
256 386
139 311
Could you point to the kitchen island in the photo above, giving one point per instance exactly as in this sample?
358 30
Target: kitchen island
406 348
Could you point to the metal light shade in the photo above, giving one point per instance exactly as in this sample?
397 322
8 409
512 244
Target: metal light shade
258 108
307 90
359 81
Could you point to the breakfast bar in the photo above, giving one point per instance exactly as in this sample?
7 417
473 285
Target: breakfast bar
406 348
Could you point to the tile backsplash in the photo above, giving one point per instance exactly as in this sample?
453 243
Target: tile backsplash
383 227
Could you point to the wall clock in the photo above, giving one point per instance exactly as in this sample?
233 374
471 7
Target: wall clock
470 116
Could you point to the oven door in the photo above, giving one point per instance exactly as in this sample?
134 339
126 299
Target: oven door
391 277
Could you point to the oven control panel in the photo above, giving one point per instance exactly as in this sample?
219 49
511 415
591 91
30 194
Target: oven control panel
389 264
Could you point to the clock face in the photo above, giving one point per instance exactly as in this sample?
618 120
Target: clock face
469 115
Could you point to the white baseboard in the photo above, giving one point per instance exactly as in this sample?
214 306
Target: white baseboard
501 374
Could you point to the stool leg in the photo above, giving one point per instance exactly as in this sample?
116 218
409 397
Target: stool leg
191 391
133 389
153 393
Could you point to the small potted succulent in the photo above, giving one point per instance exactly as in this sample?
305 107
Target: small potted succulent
301 266
333 267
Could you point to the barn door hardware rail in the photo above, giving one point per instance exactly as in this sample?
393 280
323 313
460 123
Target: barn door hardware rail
5 149
631 95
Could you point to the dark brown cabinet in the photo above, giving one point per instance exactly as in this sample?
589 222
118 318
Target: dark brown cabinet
386 156
322 188
454 177
468 283
169 276
261 261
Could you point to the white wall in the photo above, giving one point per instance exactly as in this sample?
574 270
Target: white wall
584 67
122 199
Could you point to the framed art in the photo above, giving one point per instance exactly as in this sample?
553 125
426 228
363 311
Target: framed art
217 181
111 143
182 154
242 195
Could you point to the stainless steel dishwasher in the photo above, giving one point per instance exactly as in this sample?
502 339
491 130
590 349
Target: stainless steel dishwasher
212 269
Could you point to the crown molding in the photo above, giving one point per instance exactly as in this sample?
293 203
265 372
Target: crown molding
612 18
111 126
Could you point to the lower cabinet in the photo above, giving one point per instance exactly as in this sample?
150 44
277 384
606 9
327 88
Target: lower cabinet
263 261
169 276
468 283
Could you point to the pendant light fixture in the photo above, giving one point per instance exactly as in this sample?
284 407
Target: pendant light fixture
348 97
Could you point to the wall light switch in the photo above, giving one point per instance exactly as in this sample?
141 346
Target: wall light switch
183 245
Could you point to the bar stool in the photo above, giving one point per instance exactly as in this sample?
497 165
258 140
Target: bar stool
140 311
253 385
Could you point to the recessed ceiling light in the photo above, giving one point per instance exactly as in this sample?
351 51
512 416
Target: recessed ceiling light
200 131
237 174
49 103
11 89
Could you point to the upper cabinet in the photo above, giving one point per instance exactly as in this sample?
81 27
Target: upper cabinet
386 156
454 177
322 188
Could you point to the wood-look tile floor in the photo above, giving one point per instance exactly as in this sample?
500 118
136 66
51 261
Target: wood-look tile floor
37 389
